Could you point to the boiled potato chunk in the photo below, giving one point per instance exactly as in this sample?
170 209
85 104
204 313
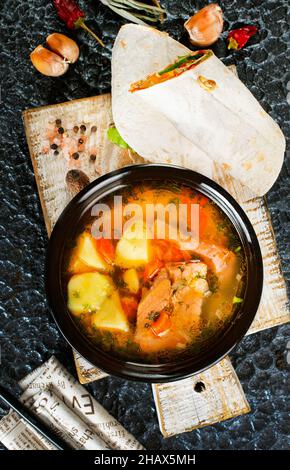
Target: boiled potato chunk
87 292
132 280
76 266
87 252
111 314
132 250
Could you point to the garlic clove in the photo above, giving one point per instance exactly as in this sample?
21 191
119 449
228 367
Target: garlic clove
205 27
47 62
64 46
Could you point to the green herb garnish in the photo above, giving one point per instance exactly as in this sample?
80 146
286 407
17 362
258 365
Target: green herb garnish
233 239
76 294
221 226
237 300
153 316
120 283
181 60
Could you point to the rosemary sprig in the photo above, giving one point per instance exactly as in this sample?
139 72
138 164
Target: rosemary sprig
135 11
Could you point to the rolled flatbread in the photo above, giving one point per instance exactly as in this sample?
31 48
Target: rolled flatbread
180 121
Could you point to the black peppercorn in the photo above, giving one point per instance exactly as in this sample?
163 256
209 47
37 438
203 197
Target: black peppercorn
83 128
58 122
75 155
53 146
92 157
56 152
76 129
60 130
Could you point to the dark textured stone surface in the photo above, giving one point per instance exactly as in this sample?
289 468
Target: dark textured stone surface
28 335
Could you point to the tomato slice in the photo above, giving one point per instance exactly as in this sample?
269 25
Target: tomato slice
169 251
152 268
106 248
130 306
203 201
162 324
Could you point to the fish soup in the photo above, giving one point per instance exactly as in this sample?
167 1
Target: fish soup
154 299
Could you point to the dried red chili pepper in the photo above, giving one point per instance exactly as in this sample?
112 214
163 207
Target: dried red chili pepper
73 16
239 37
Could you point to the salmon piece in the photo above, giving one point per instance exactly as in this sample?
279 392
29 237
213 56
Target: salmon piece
226 266
189 274
189 287
186 270
223 262
155 299
179 290
187 310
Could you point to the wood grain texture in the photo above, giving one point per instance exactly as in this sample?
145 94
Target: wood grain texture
50 170
215 395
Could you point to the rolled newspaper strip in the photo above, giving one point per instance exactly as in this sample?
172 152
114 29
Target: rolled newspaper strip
69 409
69 426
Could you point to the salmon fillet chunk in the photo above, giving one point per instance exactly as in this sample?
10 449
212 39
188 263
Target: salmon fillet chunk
221 261
156 298
169 312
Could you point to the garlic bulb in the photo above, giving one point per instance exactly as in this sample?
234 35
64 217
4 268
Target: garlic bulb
205 27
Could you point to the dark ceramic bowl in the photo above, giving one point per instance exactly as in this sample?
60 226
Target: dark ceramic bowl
219 347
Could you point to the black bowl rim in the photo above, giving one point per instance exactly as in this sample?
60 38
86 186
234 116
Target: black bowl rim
169 371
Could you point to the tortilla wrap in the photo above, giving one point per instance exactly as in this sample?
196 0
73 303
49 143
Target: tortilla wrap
180 122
